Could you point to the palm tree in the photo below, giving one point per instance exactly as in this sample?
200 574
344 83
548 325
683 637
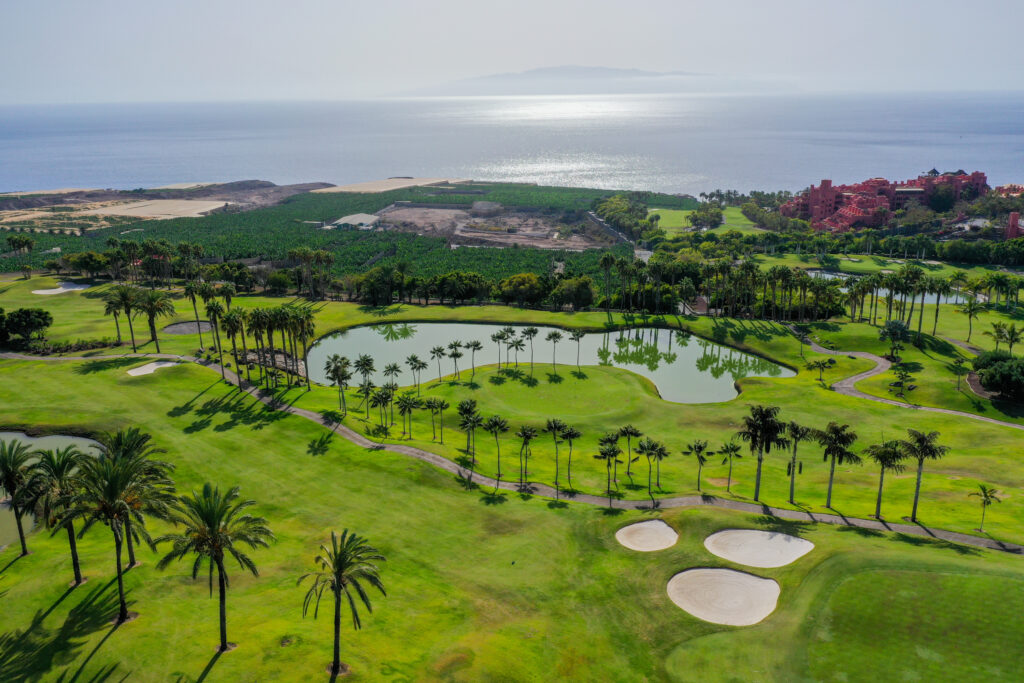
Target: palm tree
392 370
698 448
442 405
555 427
233 325
455 354
126 297
343 568
364 366
821 366
889 457
987 494
609 453
613 439
109 491
214 311
795 433
836 440
660 453
419 366
473 345
498 338
337 370
365 392
630 432
972 309
570 434
53 480
111 306
554 336
921 446
526 434
214 525
380 400
153 305
15 471
998 333
1013 336
762 429
437 353
577 336
496 426
730 451
517 345
529 333
192 292
942 288
647 448
407 403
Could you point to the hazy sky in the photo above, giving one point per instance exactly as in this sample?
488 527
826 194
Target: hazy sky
142 50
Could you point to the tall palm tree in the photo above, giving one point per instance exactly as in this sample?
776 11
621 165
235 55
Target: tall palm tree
795 433
437 353
1013 336
762 429
344 567
987 494
555 427
554 336
577 336
661 452
214 311
526 434
629 432
442 405
729 452
647 448
698 448
108 492
498 338
972 309
836 440
233 325
337 370
921 446
126 298
942 288
153 305
111 306
496 426
613 439
15 471
455 353
570 434
53 481
889 457
517 345
364 366
473 345
609 453
529 333
407 403
214 525
192 292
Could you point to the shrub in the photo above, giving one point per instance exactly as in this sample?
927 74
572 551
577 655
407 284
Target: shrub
987 359
1006 378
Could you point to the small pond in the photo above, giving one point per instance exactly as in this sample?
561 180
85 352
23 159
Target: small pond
8 529
684 368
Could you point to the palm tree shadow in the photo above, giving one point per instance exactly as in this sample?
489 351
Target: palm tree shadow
209 666
95 366
786 526
320 445
493 498
26 654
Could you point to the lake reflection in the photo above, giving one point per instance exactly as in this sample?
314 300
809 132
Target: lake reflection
685 369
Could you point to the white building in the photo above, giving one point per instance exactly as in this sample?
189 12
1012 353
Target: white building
362 221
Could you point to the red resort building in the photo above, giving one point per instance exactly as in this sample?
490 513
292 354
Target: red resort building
838 208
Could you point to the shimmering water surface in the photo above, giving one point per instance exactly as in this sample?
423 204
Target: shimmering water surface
684 368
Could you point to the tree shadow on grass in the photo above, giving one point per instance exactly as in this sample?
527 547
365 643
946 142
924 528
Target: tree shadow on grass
935 543
320 445
792 527
95 366
29 654
494 498
554 378
579 374
861 531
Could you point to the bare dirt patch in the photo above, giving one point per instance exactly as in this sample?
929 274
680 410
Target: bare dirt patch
188 328
159 208
505 229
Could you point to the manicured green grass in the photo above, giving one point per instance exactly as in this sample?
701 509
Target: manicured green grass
674 221
476 590
863 264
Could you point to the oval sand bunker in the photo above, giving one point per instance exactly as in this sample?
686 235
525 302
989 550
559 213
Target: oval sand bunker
61 288
756 548
647 536
150 368
724 596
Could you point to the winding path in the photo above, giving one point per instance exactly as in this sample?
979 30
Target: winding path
464 474
847 386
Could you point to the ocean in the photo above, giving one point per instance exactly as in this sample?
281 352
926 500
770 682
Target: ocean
669 143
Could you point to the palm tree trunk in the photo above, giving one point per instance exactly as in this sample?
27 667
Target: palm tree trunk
131 544
21 531
878 501
649 471
440 423
117 324
728 482
122 614
757 480
74 553
222 586
238 369
831 476
152 333
245 354
336 663
792 478
917 489
497 447
199 329
131 329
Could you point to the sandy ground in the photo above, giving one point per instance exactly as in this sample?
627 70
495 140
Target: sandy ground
756 548
159 208
64 190
459 226
391 184
724 596
61 288
150 368
647 536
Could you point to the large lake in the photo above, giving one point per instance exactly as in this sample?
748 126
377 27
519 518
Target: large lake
8 529
684 368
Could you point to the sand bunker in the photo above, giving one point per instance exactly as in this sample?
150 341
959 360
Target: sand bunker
724 596
150 368
756 548
647 536
188 328
61 288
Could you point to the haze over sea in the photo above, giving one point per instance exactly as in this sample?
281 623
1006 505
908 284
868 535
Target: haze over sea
670 143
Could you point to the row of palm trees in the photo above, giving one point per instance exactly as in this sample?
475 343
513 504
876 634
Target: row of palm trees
126 485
